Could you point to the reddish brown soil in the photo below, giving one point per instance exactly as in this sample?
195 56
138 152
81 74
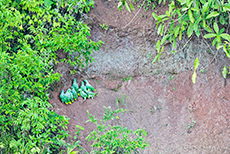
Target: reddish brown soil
162 106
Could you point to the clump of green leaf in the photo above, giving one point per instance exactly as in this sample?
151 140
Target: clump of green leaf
200 18
31 32
104 26
114 138
194 76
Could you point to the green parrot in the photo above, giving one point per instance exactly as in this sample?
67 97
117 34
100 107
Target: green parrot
83 94
69 95
75 85
62 96
89 86
73 91
91 94
83 87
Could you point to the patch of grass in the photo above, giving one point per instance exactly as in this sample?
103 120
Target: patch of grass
190 125
159 107
122 100
203 71
104 26
153 109
171 77
118 87
128 78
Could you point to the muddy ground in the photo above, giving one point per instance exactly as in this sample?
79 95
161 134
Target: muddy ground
160 97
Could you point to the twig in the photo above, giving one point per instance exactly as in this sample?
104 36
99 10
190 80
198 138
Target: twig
85 150
185 44
213 57
134 15
174 22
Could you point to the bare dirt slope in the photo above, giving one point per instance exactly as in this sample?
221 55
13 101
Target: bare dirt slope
165 108
164 103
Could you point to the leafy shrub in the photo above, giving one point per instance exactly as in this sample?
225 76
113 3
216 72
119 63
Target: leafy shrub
206 19
111 139
31 32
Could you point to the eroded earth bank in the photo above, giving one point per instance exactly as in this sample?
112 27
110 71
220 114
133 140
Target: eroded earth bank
160 97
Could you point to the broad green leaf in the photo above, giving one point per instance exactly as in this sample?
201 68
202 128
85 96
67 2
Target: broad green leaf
210 35
162 49
187 3
218 38
74 152
184 9
162 30
222 30
226 7
48 3
164 39
205 8
160 17
212 14
180 35
119 5
155 16
80 127
225 72
155 58
176 31
207 28
195 10
218 45
183 2
225 36
214 42
226 51
223 20
174 42
131 5
158 45
127 6
190 30
159 29
197 32
159 56
216 27
194 76
196 63
196 28
190 16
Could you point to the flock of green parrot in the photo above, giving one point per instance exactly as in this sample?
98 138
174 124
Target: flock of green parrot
85 91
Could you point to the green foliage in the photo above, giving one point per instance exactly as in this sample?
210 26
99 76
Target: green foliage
127 79
191 125
202 18
31 32
225 72
108 139
122 100
194 76
104 26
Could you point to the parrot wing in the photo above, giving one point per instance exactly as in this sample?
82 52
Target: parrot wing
74 93
83 94
62 96
89 86
75 85
83 87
